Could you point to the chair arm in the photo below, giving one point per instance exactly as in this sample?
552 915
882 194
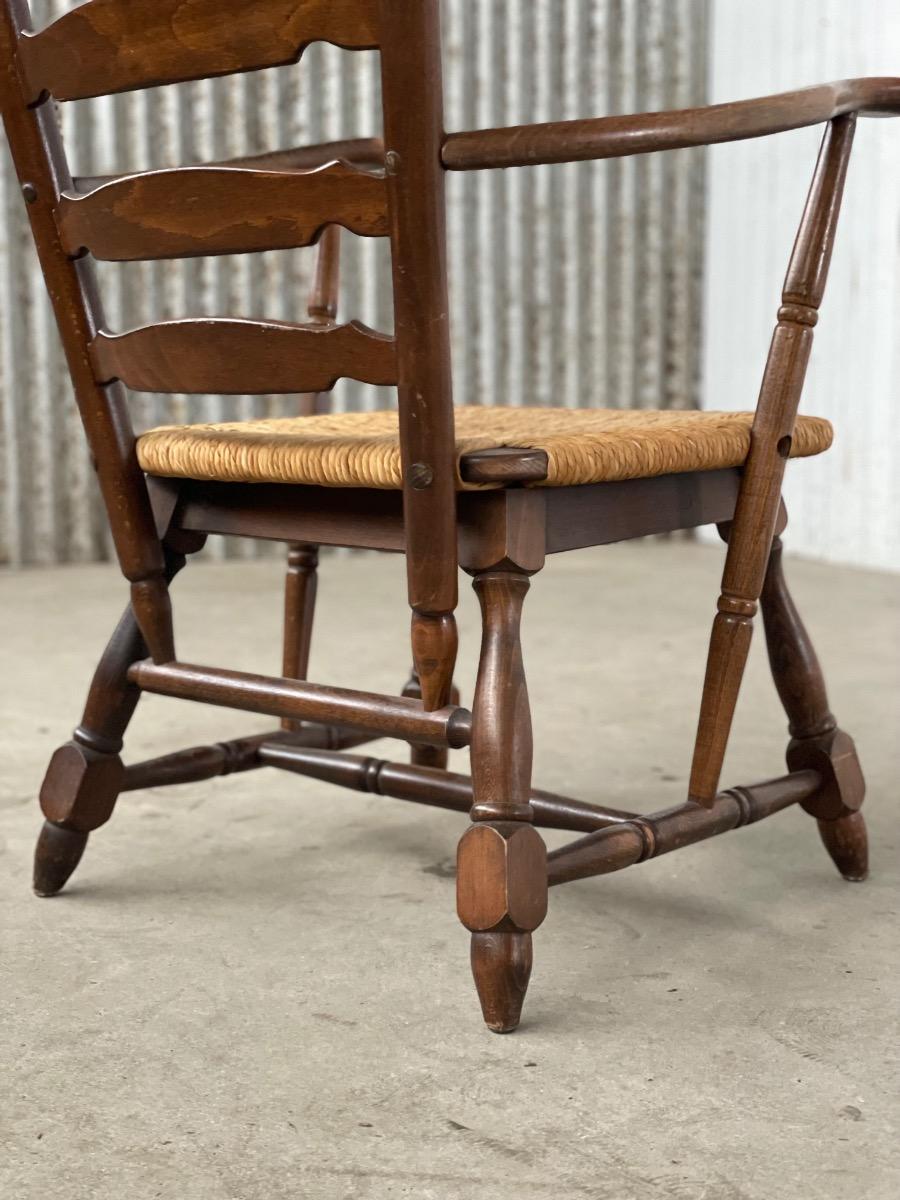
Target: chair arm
616 137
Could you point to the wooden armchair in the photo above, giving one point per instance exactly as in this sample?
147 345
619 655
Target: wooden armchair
491 490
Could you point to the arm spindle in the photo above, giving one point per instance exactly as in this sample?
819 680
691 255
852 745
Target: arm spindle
753 527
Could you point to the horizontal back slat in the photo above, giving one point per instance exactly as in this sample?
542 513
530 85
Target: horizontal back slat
109 46
193 211
233 357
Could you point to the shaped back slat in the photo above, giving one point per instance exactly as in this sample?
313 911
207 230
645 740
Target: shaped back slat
193 211
109 46
232 357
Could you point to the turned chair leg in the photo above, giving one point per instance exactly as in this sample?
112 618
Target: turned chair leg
300 587
816 741
502 864
427 756
85 775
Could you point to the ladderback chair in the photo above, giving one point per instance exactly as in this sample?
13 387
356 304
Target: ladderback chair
490 490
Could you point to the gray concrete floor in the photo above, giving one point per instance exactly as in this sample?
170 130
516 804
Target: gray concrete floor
256 988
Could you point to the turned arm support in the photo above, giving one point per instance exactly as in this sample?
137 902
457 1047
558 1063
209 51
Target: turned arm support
643 133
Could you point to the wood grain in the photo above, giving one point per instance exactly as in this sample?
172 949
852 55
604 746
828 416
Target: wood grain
108 46
235 357
413 132
643 133
431 786
297 700
190 211
40 162
621 846
756 513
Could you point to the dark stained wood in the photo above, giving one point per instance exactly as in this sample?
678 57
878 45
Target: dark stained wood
427 785
297 700
602 513
235 357
500 534
756 513
373 519
501 965
834 756
40 163
501 885
501 896
84 777
426 756
300 589
501 733
413 133
227 758
188 211
362 518
434 644
616 137
792 657
367 153
58 852
503 530
108 46
323 300
816 742
196 764
301 581
847 843
623 845
504 465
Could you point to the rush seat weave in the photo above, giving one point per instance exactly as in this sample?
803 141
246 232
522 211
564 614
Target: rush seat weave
363 449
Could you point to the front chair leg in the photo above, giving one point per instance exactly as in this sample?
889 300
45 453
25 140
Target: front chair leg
816 740
502 864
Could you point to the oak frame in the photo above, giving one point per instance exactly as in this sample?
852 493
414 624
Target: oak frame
501 537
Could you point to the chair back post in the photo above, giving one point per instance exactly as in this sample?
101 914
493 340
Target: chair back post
756 513
414 133
40 163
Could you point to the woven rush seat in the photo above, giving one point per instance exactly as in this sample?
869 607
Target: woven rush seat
363 449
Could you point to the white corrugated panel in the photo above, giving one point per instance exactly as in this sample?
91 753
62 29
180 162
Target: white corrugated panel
845 506
575 285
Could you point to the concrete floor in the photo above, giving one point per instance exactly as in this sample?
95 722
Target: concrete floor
257 989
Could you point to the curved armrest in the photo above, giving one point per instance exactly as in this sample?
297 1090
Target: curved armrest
616 137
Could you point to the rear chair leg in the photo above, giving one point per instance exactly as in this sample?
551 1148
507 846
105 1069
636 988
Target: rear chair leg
427 756
502 865
85 775
816 740
300 586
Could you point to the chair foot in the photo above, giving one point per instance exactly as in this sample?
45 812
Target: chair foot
501 893
501 964
57 854
847 842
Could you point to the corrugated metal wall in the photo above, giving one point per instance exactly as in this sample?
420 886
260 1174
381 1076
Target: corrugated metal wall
577 285
844 506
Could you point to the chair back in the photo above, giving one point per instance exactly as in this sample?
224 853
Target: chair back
110 46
